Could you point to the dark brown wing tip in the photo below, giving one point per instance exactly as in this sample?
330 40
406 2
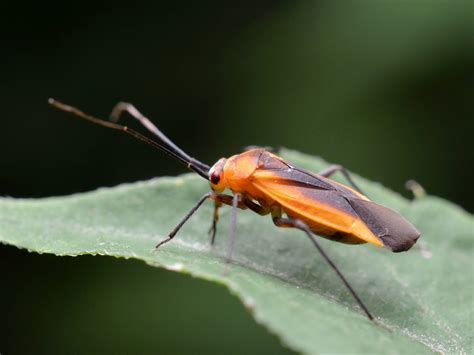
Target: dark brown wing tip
397 244
395 232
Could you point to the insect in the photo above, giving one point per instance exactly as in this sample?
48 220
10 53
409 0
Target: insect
265 183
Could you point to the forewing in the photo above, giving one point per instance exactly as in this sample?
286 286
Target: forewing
306 195
336 206
395 231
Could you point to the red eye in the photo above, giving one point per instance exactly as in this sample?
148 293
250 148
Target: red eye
215 178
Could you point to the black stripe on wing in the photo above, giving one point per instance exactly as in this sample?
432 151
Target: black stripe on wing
291 175
294 183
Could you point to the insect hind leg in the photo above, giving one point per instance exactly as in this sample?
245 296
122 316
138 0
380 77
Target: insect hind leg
299 224
331 170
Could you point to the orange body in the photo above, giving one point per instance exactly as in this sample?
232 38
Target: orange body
260 176
330 209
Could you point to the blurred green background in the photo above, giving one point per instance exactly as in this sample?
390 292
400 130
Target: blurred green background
384 88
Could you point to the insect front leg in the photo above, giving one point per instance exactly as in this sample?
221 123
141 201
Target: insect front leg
236 201
237 198
219 200
334 169
299 224
215 219
185 219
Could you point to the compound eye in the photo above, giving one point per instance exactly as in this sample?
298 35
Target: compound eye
215 177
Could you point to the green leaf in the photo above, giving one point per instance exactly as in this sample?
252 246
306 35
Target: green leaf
422 299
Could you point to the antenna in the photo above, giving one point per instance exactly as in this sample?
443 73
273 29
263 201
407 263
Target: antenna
164 144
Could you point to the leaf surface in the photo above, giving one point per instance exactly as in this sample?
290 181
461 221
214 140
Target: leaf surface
422 299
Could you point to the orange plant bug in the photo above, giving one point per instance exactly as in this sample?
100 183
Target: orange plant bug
266 184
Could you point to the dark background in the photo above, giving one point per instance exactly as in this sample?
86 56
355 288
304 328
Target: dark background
384 89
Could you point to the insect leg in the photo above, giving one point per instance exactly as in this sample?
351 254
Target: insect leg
237 201
219 200
233 225
185 219
243 203
255 207
296 223
215 219
334 169
415 187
